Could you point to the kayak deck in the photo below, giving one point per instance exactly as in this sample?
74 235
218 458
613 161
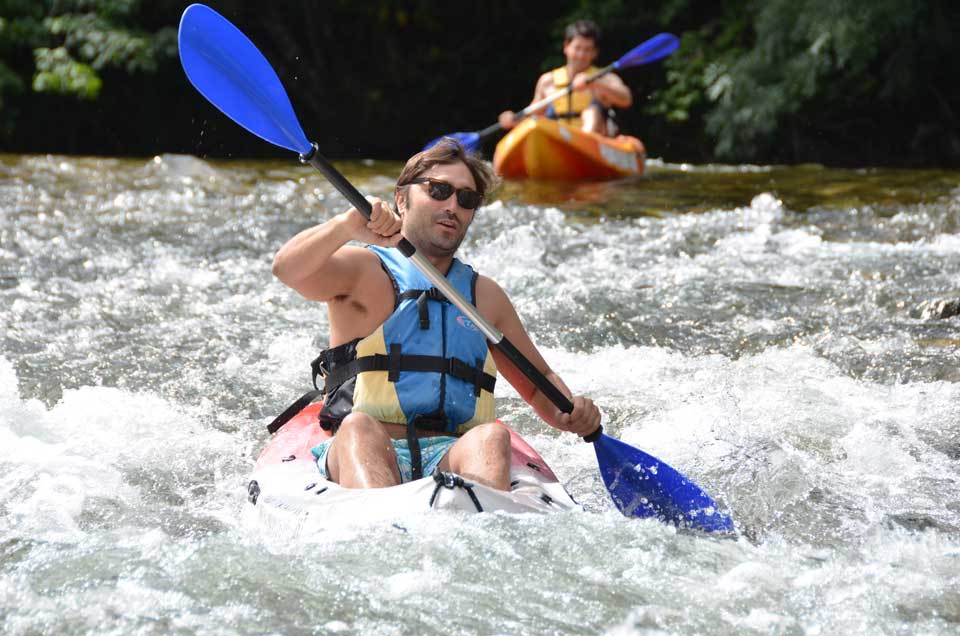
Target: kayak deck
542 148
287 495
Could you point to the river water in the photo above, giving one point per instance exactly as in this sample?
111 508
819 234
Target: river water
774 333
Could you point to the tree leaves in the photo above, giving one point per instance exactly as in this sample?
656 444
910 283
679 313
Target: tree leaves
72 42
58 72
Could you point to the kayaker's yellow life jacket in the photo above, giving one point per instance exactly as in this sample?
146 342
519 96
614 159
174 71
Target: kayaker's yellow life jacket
569 107
428 366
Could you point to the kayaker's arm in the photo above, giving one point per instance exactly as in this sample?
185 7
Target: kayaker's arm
496 307
544 87
507 119
609 90
319 264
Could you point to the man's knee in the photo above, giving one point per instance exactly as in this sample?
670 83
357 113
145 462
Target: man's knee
492 435
360 425
594 120
483 455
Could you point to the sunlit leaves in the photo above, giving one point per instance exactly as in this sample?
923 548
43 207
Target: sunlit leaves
58 72
102 44
73 41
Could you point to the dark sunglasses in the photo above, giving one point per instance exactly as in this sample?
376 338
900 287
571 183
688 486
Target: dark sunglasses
441 190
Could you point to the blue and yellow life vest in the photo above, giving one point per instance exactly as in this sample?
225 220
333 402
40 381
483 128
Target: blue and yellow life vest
570 106
427 366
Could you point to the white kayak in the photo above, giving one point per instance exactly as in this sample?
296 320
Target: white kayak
287 495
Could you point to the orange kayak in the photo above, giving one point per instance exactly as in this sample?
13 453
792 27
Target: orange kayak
542 148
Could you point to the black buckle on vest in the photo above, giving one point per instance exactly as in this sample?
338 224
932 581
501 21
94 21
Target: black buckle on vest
463 371
428 294
424 312
393 370
477 378
319 369
435 423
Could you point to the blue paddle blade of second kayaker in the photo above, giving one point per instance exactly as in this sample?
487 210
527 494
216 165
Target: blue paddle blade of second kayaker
225 66
643 486
469 140
658 46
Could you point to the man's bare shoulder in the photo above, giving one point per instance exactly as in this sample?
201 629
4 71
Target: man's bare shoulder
357 254
486 285
545 83
367 303
492 300
366 268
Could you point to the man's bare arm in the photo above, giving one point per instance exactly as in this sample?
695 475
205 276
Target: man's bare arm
508 118
585 417
609 90
319 264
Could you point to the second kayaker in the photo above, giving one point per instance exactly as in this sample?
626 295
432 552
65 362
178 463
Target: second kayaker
587 105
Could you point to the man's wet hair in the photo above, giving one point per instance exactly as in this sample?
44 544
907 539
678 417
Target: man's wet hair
585 29
446 151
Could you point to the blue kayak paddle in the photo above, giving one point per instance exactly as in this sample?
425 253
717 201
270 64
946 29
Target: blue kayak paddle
227 69
657 47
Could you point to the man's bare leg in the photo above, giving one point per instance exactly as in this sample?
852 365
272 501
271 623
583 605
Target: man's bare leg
593 121
361 454
482 455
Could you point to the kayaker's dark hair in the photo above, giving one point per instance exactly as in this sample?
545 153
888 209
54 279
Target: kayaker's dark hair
446 151
583 28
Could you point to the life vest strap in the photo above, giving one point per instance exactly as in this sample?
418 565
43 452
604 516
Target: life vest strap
422 296
396 362
292 410
413 446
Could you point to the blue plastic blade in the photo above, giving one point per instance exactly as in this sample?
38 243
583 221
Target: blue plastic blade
227 69
643 486
469 140
658 46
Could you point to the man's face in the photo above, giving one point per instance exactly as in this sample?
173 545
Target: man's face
436 227
580 52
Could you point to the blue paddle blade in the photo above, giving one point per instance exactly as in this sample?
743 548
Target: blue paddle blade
643 486
469 140
227 69
652 50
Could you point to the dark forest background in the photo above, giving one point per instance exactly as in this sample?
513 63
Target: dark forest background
836 82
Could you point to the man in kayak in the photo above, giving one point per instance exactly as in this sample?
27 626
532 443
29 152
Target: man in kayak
409 378
588 104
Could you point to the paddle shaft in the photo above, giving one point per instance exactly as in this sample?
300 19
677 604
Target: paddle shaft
493 335
546 101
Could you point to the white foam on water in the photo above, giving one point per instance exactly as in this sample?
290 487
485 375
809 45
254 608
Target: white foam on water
99 444
121 501
426 581
812 425
169 270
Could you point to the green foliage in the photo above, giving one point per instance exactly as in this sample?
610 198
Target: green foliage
759 77
62 47
774 80
100 42
57 72
695 68
804 51
10 83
